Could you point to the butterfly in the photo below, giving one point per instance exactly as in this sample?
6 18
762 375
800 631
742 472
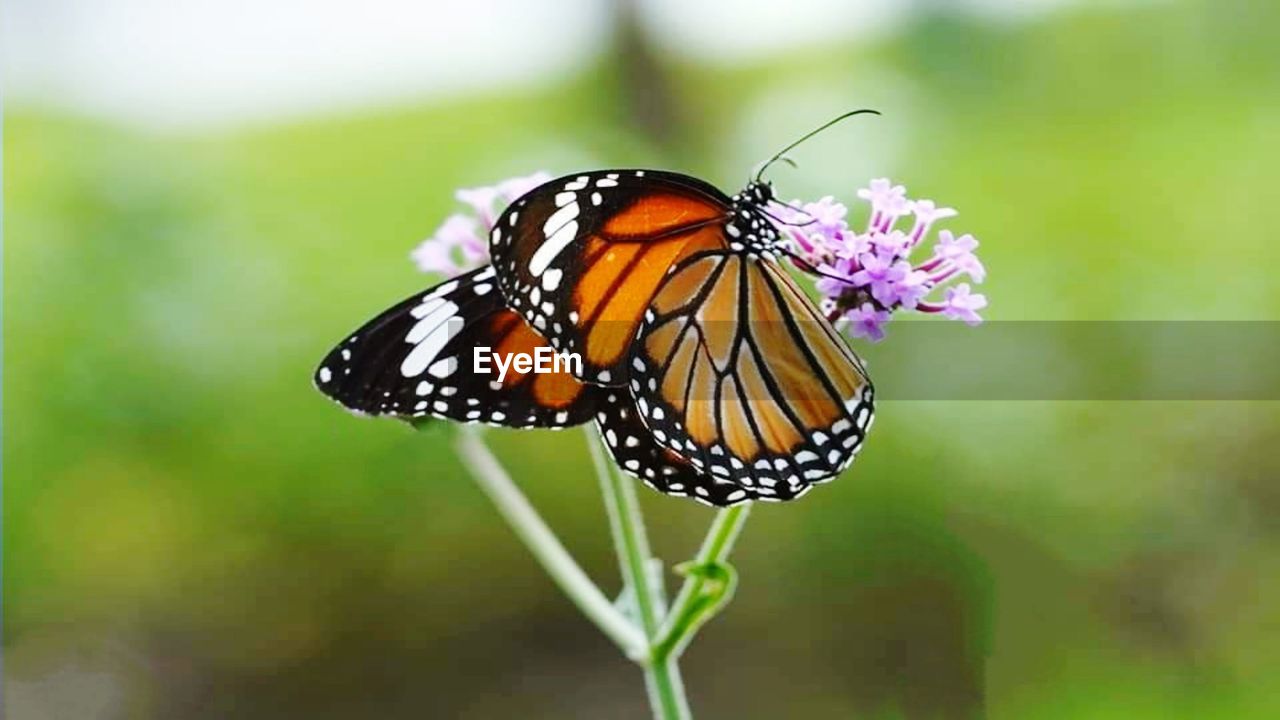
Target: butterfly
708 370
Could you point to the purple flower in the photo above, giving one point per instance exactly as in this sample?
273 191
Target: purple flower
884 196
912 288
962 305
959 252
894 243
865 277
927 212
818 229
867 322
453 249
461 242
480 199
855 245
835 278
881 272
828 216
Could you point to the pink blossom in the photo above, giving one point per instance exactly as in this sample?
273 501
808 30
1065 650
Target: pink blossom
454 248
867 322
926 211
912 288
895 242
964 306
873 271
461 242
884 196
959 252
881 272
818 229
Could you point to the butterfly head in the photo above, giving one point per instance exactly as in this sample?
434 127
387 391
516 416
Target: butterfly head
759 193
750 227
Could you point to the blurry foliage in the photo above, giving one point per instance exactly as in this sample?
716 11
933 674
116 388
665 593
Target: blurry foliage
192 531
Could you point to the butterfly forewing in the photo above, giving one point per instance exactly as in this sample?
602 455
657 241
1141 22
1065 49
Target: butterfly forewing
737 371
581 257
417 359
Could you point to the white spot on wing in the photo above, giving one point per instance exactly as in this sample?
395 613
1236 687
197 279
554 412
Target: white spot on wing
443 368
561 228
430 336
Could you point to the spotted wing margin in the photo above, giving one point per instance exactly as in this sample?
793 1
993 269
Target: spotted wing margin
635 451
738 372
417 360
581 257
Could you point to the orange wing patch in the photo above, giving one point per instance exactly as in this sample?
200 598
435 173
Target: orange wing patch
619 286
656 214
556 390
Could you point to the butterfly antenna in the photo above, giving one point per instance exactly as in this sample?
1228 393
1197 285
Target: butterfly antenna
806 136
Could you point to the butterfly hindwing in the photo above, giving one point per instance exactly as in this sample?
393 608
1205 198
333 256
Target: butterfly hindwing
417 359
736 370
580 257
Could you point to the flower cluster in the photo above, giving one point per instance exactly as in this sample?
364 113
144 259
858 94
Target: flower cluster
461 242
867 276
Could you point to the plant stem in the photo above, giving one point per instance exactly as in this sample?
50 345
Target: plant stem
662 676
546 548
655 643
688 611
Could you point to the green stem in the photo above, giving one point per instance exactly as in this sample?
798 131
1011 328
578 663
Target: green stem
707 586
656 643
546 548
662 676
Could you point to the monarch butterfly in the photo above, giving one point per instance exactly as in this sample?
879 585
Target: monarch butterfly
410 362
710 373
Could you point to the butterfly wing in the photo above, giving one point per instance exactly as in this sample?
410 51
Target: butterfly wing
736 370
417 360
581 257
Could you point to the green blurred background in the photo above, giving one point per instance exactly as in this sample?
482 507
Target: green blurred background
191 531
